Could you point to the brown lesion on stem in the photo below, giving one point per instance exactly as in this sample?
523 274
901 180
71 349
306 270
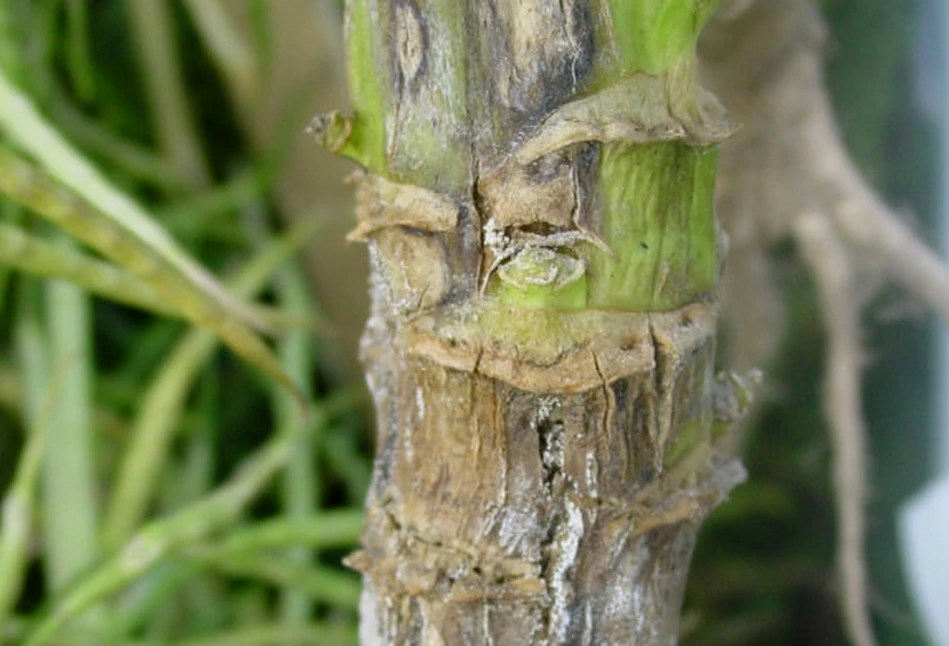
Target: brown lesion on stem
545 351
495 499
641 108
381 203
453 569
537 476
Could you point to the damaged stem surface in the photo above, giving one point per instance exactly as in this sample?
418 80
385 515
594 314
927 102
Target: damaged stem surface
537 200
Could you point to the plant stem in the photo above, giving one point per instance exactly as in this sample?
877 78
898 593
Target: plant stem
545 259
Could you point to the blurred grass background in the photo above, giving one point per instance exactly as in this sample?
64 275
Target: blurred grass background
197 109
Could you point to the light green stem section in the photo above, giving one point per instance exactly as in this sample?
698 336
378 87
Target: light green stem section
570 298
655 202
652 197
653 35
367 141
656 214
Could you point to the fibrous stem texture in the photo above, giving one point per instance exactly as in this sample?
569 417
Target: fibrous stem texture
537 198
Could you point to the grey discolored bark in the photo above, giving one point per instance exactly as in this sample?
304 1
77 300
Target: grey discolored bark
504 515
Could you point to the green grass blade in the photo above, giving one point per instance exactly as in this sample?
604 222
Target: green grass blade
195 216
70 491
11 34
163 403
337 635
78 62
324 530
261 19
70 550
19 500
117 227
13 396
146 597
225 45
13 215
136 161
330 633
31 188
167 536
318 583
34 255
344 460
301 484
153 35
